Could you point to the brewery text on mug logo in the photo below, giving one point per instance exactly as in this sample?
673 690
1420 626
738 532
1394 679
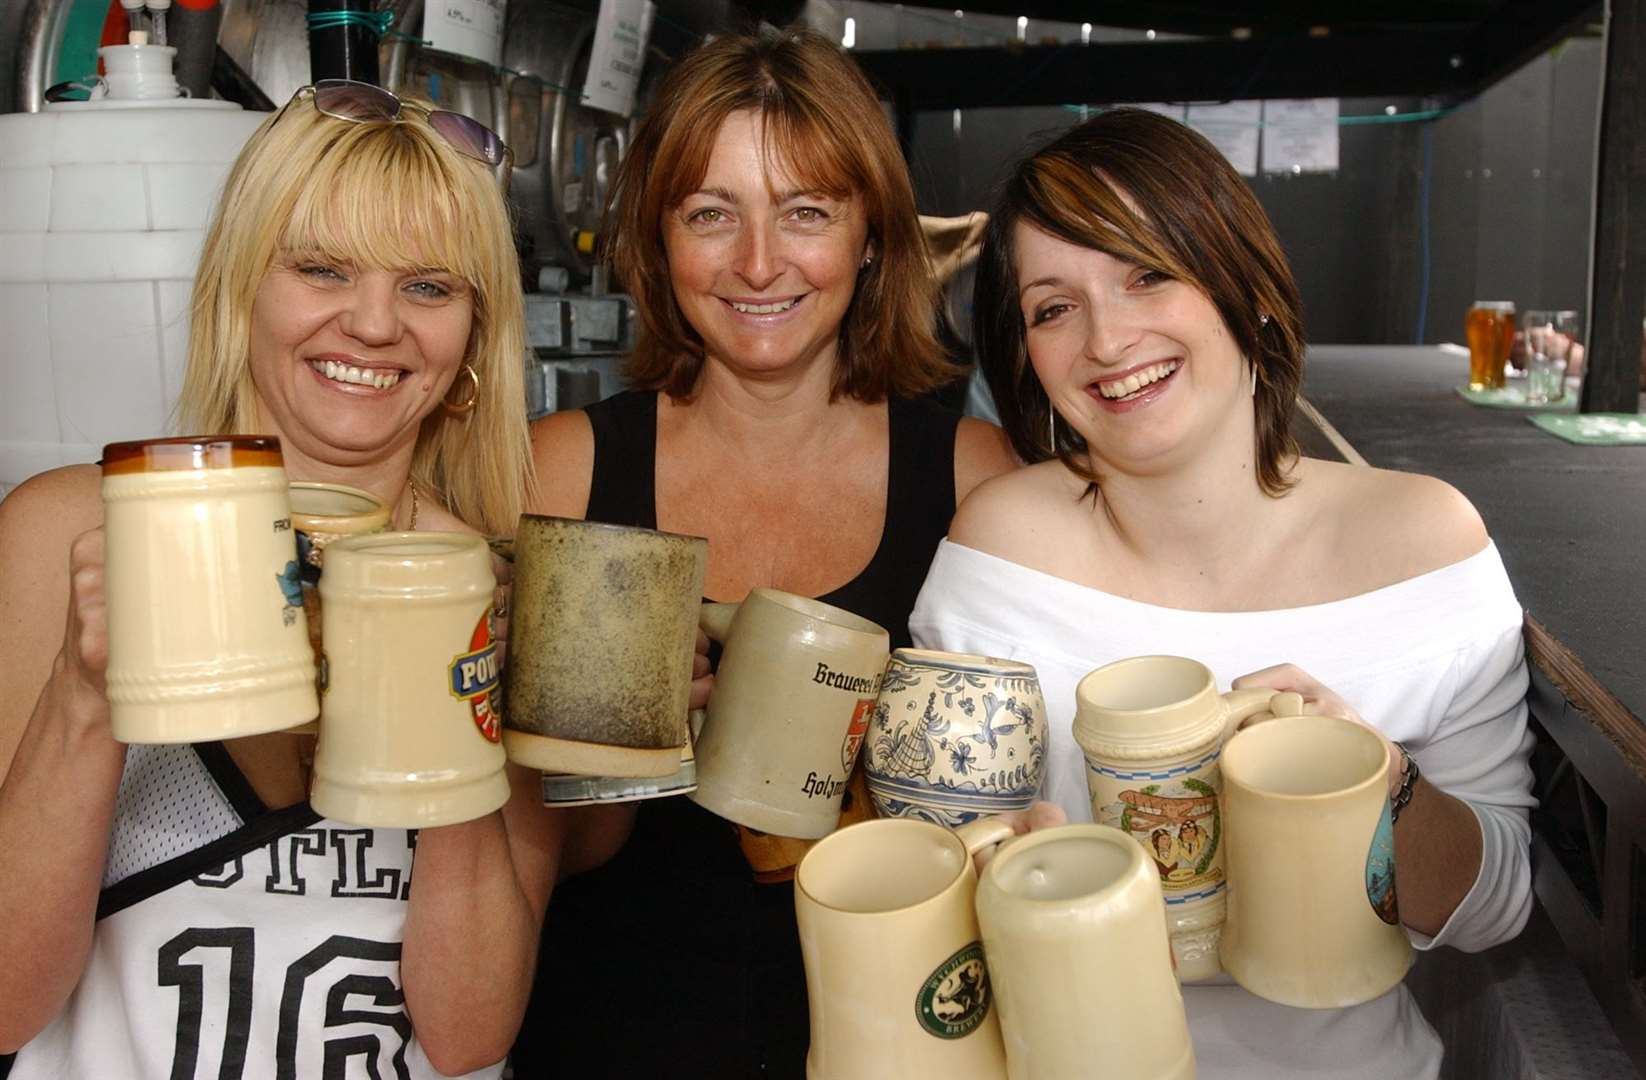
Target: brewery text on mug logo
474 679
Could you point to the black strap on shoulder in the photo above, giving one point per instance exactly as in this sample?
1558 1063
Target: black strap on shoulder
230 780
623 487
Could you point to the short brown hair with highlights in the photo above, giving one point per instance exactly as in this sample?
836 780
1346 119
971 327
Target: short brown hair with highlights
1195 220
826 125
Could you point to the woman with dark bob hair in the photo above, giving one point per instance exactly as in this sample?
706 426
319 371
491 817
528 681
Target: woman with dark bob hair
1139 327
765 224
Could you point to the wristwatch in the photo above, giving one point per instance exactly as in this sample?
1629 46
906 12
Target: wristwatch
1408 779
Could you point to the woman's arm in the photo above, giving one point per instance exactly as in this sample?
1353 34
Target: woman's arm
479 891
60 764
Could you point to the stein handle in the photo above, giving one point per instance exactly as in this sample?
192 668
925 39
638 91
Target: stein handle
716 620
984 832
1256 705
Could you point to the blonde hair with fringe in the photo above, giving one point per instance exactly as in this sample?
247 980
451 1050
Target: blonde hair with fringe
381 196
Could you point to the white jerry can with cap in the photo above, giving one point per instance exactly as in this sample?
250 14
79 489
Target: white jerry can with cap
103 207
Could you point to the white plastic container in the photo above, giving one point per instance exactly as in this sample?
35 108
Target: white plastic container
103 207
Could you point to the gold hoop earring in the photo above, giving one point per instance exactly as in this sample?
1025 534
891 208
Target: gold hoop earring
464 407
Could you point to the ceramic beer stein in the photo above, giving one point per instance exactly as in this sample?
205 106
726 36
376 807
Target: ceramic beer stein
409 731
207 638
789 708
1075 933
955 737
603 626
896 983
321 513
1152 729
1312 918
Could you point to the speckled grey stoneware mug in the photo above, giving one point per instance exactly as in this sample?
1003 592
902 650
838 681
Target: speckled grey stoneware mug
604 619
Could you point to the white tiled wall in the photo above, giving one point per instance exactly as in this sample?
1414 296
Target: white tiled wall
101 220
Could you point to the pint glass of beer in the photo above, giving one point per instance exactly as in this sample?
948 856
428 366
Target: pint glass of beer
1490 326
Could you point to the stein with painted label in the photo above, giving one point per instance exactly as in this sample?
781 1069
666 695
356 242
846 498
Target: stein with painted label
790 707
206 632
1152 729
1313 919
410 735
896 982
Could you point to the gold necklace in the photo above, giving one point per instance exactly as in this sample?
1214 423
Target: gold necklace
411 526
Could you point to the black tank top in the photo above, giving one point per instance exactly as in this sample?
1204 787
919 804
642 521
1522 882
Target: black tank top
670 961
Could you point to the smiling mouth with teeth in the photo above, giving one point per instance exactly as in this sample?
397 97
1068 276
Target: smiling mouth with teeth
347 373
764 309
1116 389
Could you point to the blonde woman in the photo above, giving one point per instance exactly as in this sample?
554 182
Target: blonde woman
358 297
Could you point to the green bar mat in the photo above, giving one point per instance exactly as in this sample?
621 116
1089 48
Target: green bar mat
1595 429
1514 397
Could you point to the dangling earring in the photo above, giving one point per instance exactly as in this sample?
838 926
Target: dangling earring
461 408
1252 364
1051 428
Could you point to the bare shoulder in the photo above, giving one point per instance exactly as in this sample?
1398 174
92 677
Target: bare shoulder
981 452
563 457
1403 524
1014 514
44 513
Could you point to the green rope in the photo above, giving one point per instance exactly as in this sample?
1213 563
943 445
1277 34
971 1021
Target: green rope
378 22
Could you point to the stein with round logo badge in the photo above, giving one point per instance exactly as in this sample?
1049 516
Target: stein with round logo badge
410 735
1152 730
206 632
896 983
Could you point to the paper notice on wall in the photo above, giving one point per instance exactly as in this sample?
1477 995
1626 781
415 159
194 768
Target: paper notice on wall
1300 136
1232 128
472 28
618 54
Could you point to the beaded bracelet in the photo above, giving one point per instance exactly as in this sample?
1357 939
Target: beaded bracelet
1408 779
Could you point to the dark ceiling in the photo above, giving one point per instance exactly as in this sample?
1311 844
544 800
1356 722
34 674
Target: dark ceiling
1448 50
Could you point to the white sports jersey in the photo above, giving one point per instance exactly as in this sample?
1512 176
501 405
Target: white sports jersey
272 950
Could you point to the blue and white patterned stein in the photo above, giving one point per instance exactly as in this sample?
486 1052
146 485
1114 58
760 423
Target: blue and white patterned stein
955 737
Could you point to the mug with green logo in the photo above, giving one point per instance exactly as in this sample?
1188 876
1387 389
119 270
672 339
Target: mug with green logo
895 978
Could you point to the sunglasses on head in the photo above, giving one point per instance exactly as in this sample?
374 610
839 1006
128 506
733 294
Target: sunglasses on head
363 103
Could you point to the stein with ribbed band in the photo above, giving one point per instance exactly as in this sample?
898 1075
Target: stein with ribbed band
207 638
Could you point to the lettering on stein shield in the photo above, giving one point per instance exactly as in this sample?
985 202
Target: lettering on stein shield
474 679
955 999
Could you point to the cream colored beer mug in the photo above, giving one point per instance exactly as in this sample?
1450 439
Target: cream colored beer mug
896 984
1075 933
206 631
409 730
321 513
1312 916
601 636
1152 729
791 702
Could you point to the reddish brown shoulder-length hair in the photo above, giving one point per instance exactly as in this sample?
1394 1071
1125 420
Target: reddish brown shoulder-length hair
1195 220
826 125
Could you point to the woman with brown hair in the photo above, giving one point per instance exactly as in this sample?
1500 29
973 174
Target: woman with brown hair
765 223
1139 327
